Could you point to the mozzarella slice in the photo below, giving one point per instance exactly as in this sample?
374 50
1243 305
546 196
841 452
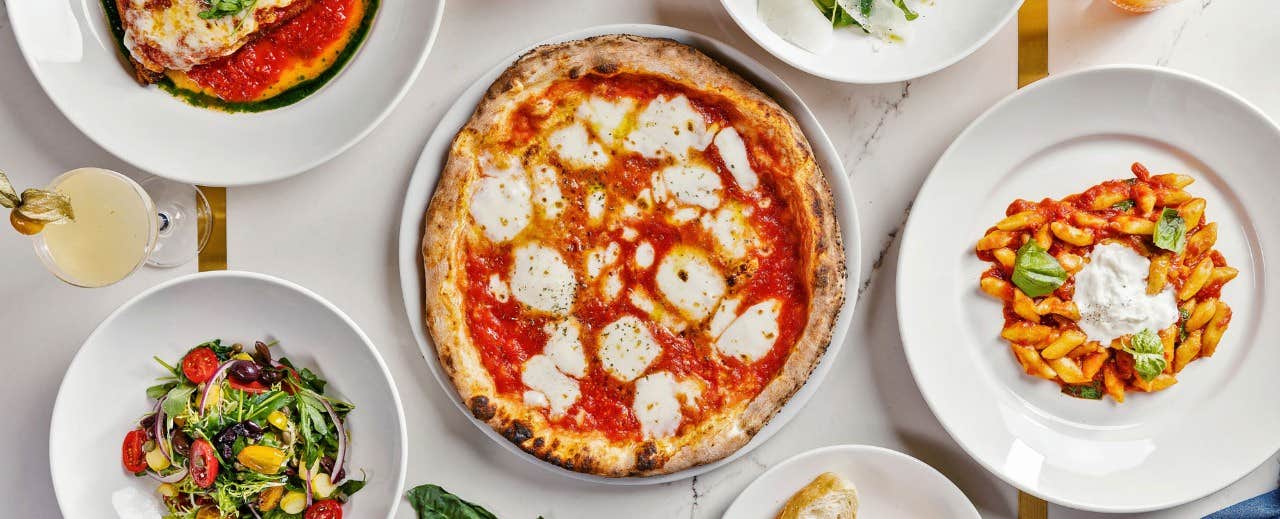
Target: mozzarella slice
734 154
627 348
605 116
540 279
498 288
599 258
612 285
725 314
536 399
597 200
658 401
561 392
574 146
546 191
798 22
689 282
644 255
564 346
500 202
730 229
753 333
668 128
683 215
693 184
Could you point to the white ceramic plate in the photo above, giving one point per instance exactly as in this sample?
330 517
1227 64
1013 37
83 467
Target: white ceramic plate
435 153
73 55
104 391
889 484
946 32
1062 135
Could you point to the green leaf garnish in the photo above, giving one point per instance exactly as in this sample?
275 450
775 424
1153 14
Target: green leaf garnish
1171 231
1090 391
906 11
433 502
222 8
1036 272
1148 354
839 17
865 7
178 399
1123 205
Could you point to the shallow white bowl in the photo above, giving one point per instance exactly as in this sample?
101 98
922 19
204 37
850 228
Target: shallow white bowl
889 484
104 391
945 33
74 56
1058 137
435 153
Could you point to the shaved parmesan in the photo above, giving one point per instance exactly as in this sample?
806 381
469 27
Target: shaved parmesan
689 282
799 22
627 348
541 280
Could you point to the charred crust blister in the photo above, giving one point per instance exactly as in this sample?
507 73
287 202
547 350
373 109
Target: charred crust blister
517 432
481 408
647 457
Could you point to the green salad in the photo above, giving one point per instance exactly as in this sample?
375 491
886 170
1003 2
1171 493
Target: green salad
234 434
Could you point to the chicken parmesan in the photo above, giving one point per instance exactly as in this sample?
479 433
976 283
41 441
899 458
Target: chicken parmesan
239 55
631 259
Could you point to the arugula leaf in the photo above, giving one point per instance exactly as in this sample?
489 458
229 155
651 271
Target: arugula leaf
1090 391
865 7
906 11
1171 231
160 390
433 502
1036 272
262 405
839 17
177 399
1123 205
221 8
1148 354
349 487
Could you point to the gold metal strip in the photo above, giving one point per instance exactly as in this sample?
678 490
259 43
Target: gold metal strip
214 254
1033 65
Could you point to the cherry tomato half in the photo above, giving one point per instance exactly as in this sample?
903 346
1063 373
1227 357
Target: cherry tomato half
253 388
203 464
199 365
327 509
135 460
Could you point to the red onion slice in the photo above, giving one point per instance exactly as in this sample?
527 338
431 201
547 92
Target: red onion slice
306 477
342 440
158 427
171 478
213 381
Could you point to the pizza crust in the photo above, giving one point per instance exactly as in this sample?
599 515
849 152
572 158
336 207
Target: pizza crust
447 228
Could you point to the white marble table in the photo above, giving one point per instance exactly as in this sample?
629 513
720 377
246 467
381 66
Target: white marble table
307 229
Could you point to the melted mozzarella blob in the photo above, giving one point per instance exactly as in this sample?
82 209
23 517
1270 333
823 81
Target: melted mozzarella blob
692 184
627 348
687 280
575 147
541 280
565 347
1111 293
668 127
605 116
657 403
734 154
501 202
560 391
753 333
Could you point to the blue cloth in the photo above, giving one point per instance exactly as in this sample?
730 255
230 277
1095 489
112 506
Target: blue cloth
1265 506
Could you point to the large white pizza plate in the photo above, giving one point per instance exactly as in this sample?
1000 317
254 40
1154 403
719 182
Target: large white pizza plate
945 32
74 56
103 394
889 484
1055 138
432 161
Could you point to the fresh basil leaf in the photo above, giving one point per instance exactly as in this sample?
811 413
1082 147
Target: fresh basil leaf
1171 231
906 11
177 399
1148 354
1091 391
1123 205
1036 272
221 8
433 502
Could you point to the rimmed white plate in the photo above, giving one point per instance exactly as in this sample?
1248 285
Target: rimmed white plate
104 391
889 484
1059 136
74 57
945 32
435 153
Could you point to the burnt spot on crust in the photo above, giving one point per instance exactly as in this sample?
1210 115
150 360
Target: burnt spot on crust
517 432
647 457
538 443
606 68
575 73
482 408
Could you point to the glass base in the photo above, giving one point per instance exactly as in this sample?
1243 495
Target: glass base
185 222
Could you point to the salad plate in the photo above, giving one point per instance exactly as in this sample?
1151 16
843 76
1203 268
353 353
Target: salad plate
888 484
433 160
942 34
75 56
104 392
1156 449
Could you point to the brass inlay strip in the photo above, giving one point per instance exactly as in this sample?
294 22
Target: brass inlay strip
214 254
1033 65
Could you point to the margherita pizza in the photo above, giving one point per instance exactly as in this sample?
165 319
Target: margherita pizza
632 259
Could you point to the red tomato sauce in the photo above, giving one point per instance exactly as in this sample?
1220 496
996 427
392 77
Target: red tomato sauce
244 75
507 336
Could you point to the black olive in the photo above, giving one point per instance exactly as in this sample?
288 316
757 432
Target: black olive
245 371
326 466
148 423
261 353
270 376
181 442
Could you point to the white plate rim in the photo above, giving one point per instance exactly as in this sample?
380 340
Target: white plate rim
426 172
282 174
364 339
854 448
914 355
870 79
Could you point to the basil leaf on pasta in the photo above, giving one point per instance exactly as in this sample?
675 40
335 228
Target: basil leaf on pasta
1090 391
1123 205
1036 272
1148 354
1171 231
